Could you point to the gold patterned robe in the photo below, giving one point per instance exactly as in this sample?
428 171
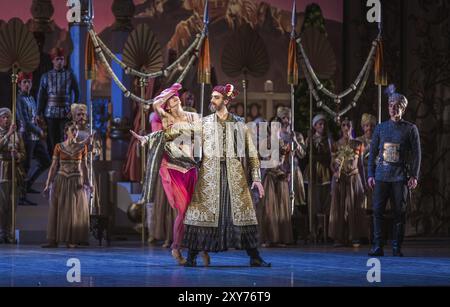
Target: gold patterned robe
219 143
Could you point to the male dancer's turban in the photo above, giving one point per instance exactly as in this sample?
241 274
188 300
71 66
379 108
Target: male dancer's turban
56 52
228 91
283 112
4 111
368 119
318 118
24 76
77 106
395 97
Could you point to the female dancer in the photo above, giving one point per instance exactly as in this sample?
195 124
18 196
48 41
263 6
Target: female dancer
67 182
178 169
321 174
163 215
275 208
347 196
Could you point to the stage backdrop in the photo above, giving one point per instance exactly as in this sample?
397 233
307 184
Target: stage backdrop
175 22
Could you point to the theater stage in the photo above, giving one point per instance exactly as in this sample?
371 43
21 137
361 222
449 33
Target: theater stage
427 264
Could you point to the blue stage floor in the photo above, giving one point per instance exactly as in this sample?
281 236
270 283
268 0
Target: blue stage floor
428 264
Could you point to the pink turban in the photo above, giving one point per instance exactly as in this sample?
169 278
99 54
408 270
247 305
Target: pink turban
171 90
228 91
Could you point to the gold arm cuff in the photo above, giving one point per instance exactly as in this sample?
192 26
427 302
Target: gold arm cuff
256 175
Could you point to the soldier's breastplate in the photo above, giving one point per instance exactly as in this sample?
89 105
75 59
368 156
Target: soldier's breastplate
392 150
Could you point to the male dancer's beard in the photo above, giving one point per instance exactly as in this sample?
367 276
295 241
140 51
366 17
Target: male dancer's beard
82 124
214 109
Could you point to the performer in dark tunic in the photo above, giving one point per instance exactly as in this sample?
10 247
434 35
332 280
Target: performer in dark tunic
394 165
221 214
32 134
57 91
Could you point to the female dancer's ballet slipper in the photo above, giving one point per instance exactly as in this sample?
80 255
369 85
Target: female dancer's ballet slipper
178 257
206 259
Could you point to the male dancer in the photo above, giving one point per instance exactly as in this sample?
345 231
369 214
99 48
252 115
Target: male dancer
11 147
221 213
32 133
79 114
391 171
55 97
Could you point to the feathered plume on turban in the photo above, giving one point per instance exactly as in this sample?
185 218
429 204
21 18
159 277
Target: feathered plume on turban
395 97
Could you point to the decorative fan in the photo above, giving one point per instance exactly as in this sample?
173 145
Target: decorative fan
18 47
142 50
320 53
245 53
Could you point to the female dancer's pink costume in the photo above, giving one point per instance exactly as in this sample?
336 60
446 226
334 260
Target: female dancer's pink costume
178 182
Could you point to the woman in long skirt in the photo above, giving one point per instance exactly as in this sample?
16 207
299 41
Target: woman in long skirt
68 184
347 191
275 207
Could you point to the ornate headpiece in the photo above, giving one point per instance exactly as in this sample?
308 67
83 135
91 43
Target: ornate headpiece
318 118
395 97
24 76
283 112
228 91
56 52
76 106
4 111
368 119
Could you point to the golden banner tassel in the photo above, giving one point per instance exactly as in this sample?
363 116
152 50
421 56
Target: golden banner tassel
204 64
292 72
380 73
90 59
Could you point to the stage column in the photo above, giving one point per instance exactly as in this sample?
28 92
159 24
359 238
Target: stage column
78 34
123 11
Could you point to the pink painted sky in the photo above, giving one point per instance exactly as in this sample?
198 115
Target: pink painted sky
332 9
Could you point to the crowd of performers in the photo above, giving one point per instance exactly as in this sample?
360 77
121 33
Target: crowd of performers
203 199
350 177
53 131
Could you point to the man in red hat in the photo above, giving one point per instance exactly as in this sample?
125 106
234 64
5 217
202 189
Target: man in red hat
32 133
221 214
57 91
